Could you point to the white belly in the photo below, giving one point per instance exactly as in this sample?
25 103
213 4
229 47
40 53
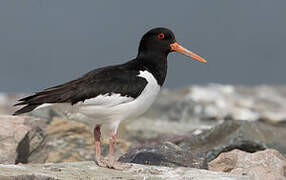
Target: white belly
111 109
144 100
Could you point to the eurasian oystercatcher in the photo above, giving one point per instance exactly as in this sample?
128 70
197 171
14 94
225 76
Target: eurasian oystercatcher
108 95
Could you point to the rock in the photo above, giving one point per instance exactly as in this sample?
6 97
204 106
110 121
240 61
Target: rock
235 134
177 112
46 114
186 114
69 141
19 137
89 170
263 165
171 114
27 177
232 134
239 102
26 139
166 154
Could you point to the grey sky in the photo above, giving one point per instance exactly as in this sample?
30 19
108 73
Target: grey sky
47 42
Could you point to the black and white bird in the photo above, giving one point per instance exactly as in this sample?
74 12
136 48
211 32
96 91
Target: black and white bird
109 95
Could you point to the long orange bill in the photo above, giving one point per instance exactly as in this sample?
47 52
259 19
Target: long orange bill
178 48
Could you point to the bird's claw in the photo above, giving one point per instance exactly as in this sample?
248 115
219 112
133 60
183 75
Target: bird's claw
112 163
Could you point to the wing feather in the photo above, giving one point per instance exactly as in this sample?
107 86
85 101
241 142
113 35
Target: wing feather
101 81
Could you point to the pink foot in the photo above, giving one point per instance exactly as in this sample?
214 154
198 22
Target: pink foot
112 163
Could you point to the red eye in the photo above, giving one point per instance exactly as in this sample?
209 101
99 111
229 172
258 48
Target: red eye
161 35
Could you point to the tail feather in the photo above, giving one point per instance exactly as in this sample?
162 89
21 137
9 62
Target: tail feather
20 103
30 102
25 109
56 94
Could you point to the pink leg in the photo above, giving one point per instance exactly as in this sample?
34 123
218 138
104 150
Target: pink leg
112 142
110 161
97 135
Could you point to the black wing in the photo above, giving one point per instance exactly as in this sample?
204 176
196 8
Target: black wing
107 80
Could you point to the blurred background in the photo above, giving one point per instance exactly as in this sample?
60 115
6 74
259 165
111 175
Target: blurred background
44 43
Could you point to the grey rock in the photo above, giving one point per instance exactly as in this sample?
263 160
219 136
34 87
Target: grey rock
19 137
177 112
68 141
166 154
25 139
33 141
263 165
234 134
46 114
180 111
89 170
27 177
186 114
231 134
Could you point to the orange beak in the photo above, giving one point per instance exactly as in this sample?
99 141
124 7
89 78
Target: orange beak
178 48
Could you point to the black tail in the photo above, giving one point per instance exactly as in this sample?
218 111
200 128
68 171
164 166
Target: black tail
57 94
27 108
29 105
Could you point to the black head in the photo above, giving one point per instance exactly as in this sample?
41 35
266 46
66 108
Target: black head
157 40
161 41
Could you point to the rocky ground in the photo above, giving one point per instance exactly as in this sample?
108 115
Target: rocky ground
200 132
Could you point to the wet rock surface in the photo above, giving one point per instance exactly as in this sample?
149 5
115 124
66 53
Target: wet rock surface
263 165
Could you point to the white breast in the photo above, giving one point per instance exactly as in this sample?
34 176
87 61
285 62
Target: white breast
146 98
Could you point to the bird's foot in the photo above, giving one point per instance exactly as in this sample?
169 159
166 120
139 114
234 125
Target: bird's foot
112 163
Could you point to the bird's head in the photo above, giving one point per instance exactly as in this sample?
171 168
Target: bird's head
163 41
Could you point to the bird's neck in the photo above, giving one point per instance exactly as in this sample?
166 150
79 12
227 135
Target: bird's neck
155 63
